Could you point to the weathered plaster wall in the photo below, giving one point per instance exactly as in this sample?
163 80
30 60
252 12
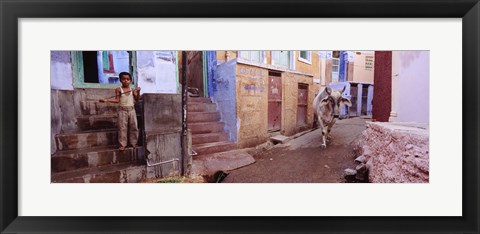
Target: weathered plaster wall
163 133
157 71
410 86
350 68
224 95
397 152
222 55
290 101
61 70
252 105
360 73
67 105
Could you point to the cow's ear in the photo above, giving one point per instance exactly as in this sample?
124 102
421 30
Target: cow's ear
324 101
329 91
346 101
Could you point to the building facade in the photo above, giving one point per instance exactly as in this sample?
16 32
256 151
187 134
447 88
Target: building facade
261 93
84 130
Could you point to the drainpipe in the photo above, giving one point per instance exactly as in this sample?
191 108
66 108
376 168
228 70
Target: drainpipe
184 113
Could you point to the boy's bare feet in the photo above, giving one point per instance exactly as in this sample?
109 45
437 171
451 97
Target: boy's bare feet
122 148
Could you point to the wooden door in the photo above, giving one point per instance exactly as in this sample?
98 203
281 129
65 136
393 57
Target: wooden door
274 101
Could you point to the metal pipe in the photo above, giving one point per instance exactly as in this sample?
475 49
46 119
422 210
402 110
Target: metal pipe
184 112
164 162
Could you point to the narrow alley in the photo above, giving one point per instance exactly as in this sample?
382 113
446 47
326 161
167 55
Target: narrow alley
301 160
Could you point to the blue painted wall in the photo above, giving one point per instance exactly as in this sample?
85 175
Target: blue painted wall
342 76
224 92
211 57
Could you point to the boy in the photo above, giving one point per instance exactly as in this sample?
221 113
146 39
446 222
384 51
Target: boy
127 118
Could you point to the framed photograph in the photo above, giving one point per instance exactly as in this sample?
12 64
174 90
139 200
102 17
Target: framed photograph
369 111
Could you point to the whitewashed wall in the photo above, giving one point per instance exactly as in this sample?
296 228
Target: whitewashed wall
410 86
61 70
157 71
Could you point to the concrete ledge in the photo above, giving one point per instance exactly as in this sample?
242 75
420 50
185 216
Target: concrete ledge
207 165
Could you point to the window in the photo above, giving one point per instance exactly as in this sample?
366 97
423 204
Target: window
251 55
305 56
281 58
100 69
335 69
369 63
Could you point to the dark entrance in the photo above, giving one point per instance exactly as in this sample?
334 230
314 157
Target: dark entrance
274 101
195 82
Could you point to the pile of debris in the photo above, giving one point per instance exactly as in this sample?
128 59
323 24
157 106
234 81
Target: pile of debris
392 153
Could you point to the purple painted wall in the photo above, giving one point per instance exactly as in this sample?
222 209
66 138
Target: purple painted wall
224 95
61 76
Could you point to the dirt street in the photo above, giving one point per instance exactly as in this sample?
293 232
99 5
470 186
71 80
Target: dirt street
301 160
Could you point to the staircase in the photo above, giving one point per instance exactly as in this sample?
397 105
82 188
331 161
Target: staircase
91 154
208 134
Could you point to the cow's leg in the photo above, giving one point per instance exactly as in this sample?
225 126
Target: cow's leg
323 129
324 137
330 126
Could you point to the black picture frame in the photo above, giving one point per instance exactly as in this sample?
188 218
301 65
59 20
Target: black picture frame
11 11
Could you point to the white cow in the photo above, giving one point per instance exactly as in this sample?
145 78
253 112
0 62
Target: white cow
327 105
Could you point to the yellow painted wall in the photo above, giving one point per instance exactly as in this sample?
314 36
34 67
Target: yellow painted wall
313 68
290 83
328 72
252 105
360 73
221 55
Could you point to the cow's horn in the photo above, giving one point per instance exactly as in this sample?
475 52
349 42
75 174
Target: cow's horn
343 90
328 90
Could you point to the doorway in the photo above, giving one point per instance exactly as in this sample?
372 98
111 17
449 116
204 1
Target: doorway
195 74
274 101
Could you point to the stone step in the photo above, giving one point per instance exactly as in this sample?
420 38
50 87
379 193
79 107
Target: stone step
98 108
121 173
199 99
206 127
69 160
72 141
209 138
97 122
207 165
195 117
201 107
215 147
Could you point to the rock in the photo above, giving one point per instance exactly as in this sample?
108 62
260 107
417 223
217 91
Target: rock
350 172
361 172
326 166
361 159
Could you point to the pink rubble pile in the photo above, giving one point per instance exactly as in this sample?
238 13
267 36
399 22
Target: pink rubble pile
396 152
